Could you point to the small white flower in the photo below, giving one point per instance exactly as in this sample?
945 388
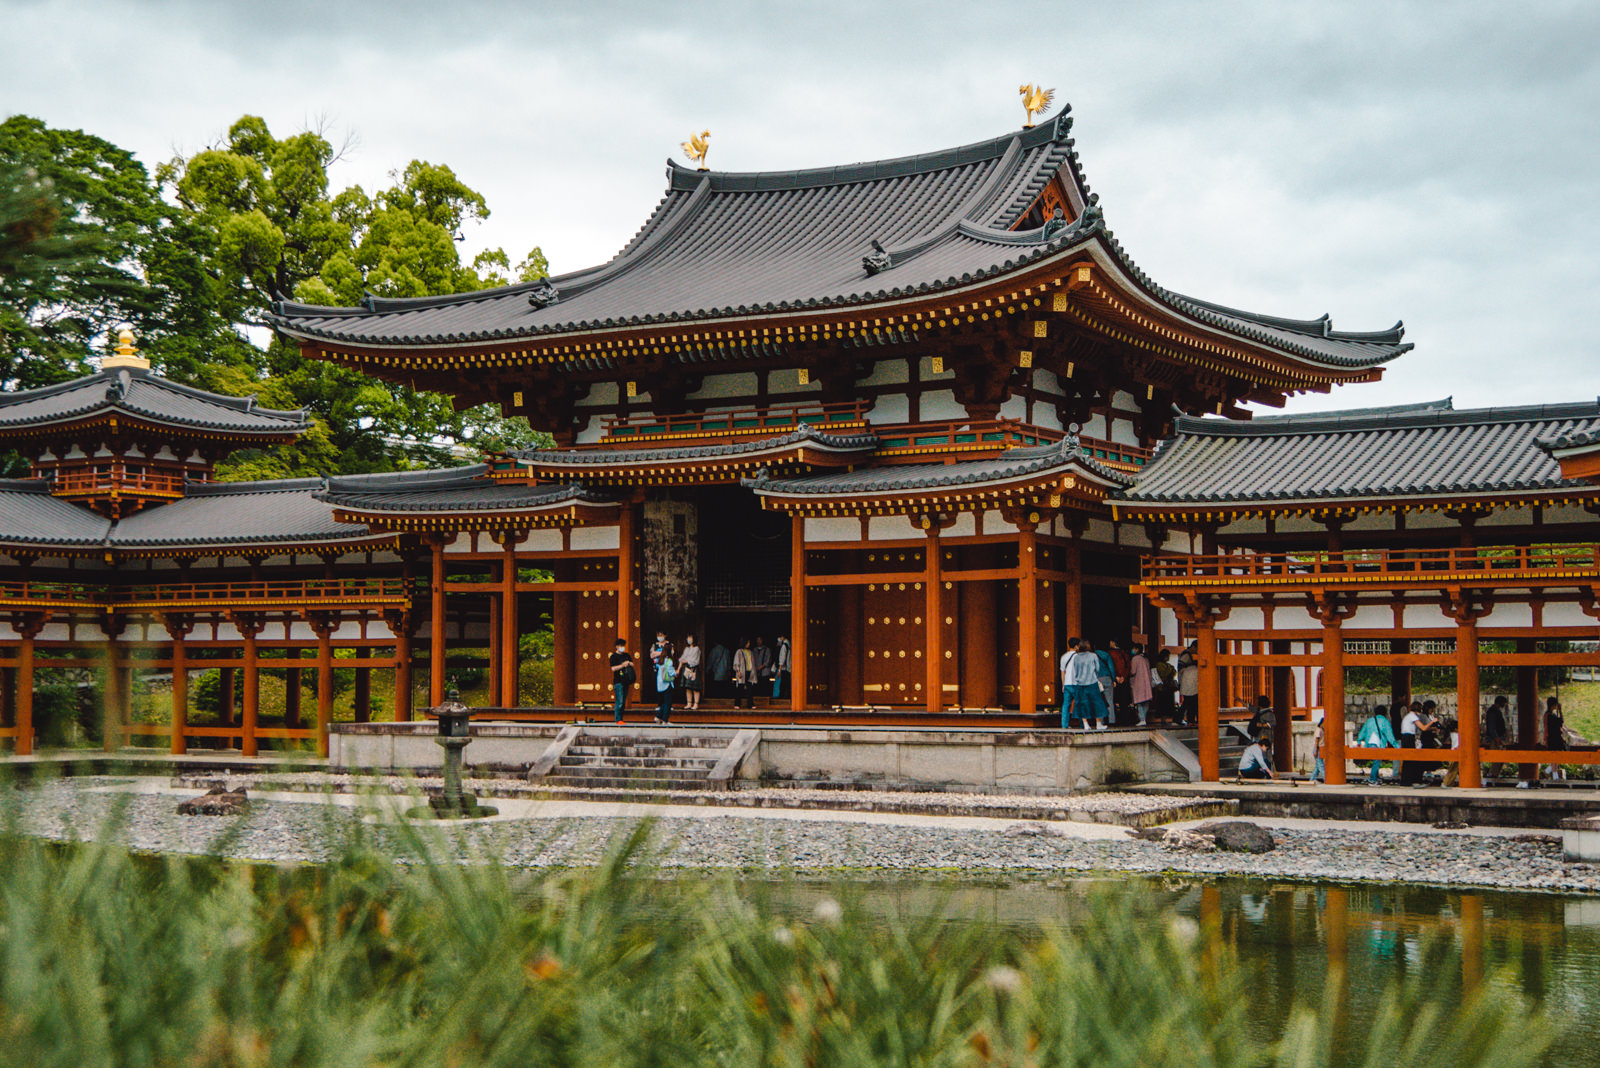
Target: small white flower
1183 930
783 936
829 911
1003 979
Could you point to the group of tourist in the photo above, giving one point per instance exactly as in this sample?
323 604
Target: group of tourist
753 667
1103 687
1418 725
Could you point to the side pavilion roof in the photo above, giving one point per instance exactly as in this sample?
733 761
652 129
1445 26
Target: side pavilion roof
139 395
1329 459
730 245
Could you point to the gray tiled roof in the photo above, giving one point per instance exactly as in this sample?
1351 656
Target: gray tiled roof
141 394
726 244
1013 464
236 513
29 515
1409 451
744 448
1574 439
459 489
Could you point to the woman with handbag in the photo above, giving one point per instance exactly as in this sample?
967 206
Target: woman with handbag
689 673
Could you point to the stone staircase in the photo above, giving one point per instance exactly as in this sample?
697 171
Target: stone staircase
651 759
1231 745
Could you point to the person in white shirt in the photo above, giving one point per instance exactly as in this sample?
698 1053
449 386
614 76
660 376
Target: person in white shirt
1081 696
1256 763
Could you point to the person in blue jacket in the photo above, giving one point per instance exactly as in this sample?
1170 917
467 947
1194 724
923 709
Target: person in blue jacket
1377 732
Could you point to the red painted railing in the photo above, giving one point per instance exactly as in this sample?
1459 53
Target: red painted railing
208 594
1490 565
115 478
623 431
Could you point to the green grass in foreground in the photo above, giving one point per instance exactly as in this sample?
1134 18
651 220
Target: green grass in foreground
108 959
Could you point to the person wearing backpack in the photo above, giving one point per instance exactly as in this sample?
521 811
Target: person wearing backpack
623 676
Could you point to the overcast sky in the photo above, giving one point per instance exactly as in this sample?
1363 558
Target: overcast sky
1432 162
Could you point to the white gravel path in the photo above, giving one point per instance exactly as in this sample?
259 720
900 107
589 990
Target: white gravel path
294 827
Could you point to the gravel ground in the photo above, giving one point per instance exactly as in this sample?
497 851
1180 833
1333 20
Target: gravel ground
1108 807
295 831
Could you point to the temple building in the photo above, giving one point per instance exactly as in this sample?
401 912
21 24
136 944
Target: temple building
923 417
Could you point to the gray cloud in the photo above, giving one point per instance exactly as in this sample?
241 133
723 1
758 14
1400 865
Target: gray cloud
1429 161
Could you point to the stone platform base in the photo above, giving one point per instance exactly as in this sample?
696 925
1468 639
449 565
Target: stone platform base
1399 804
995 760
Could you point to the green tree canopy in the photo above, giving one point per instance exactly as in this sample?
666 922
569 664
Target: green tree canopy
193 256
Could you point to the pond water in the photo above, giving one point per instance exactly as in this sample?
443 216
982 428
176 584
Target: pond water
1291 937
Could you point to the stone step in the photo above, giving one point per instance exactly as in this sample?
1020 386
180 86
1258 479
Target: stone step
601 751
591 779
671 741
628 771
582 760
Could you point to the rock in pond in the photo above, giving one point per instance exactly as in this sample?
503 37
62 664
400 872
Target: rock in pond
217 801
1238 836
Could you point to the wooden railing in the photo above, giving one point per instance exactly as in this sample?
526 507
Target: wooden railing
1495 565
958 435
623 431
116 478
285 593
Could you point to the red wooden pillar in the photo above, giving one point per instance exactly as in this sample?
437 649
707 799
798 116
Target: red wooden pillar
510 654
24 677
933 619
627 595
325 683
496 650
1072 614
400 627
436 623
564 648
1527 709
178 630
1467 701
799 647
291 690
1210 701
1027 620
361 701
250 628
1333 703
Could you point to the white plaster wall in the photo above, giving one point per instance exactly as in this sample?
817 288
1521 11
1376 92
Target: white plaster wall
743 384
1419 616
463 544
1133 535
1100 530
926 372
1371 521
542 541
1292 617
596 538
823 530
1508 517
1017 408
787 380
1569 513
940 404
227 632
1299 524
1126 401
1569 615
891 527
1095 427
1371 616
1508 614
888 373
994 522
965 526
1242 618
1430 521
1123 433
890 408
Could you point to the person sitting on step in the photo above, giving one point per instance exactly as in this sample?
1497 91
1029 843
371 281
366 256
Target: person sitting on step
1257 760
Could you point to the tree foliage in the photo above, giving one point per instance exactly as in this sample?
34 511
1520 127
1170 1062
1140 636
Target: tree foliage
193 256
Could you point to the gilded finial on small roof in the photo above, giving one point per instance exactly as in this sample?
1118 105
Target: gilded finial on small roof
696 148
1035 99
125 355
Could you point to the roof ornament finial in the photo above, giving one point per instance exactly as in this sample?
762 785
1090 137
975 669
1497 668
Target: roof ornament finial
125 354
696 148
1055 224
1035 99
877 260
543 294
